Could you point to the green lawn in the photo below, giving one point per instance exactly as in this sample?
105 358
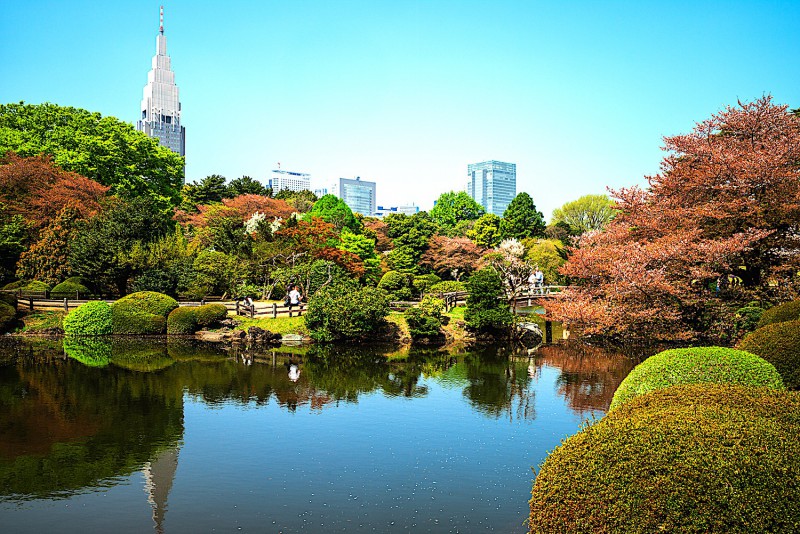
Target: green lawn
279 325
38 321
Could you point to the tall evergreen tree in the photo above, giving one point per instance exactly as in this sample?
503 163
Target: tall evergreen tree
521 219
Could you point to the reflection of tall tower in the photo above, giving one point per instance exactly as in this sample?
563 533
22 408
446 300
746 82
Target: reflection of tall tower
161 108
159 474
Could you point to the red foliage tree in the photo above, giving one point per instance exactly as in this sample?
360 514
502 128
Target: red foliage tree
452 257
38 190
376 229
727 200
47 259
344 259
242 207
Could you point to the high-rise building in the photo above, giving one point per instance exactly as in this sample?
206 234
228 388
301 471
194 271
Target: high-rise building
359 195
293 181
161 108
383 211
492 184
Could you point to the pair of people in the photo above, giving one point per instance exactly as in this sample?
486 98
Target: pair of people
536 280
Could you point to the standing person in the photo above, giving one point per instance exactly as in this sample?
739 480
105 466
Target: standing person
539 276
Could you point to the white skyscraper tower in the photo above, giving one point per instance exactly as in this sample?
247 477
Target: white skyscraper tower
161 108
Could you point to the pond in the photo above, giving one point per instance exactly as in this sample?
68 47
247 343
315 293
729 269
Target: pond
131 436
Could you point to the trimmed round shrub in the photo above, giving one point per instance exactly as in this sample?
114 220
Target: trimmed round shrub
788 311
8 316
182 320
210 314
747 318
135 314
697 365
693 458
69 287
396 284
779 344
15 285
35 286
423 282
137 324
91 319
147 302
448 286
92 352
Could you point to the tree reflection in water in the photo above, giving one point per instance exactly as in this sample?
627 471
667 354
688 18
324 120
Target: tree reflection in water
83 415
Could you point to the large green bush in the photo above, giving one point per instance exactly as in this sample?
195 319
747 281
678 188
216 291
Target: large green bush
486 309
15 285
8 316
68 288
36 286
421 324
142 313
779 344
91 319
181 321
694 458
788 311
397 285
210 314
423 282
716 365
137 324
346 311
147 302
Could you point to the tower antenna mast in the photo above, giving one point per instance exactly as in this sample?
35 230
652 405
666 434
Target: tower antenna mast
161 21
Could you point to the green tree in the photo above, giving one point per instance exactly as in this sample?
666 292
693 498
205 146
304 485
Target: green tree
104 149
209 190
100 245
245 186
486 231
12 241
548 255
486 308
301 201
345 311
333 210
363 247
452 208
521 219
590 212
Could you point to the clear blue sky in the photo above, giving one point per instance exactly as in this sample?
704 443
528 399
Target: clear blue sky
407 93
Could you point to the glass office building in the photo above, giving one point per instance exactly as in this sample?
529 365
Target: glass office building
359 195
492 184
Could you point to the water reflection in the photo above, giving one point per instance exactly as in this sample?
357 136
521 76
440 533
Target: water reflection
89 413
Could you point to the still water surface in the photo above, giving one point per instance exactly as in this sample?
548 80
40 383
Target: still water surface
180 437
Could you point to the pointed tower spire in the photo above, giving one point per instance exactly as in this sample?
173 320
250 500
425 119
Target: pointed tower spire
161 21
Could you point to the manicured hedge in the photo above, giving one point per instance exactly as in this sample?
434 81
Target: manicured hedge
147 302
69 287
182 320
142 313
36 286
126 323
91 319
210 314
8 316
696 458
15 285
788 311
717 365
779 344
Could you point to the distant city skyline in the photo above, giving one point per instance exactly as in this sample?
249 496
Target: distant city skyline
578 95
492 184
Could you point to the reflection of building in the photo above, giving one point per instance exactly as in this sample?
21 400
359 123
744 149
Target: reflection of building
492 184
382 211
293 181
359 195
159 473
161 108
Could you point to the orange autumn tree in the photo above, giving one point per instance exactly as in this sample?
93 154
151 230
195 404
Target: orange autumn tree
727 201
38 190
